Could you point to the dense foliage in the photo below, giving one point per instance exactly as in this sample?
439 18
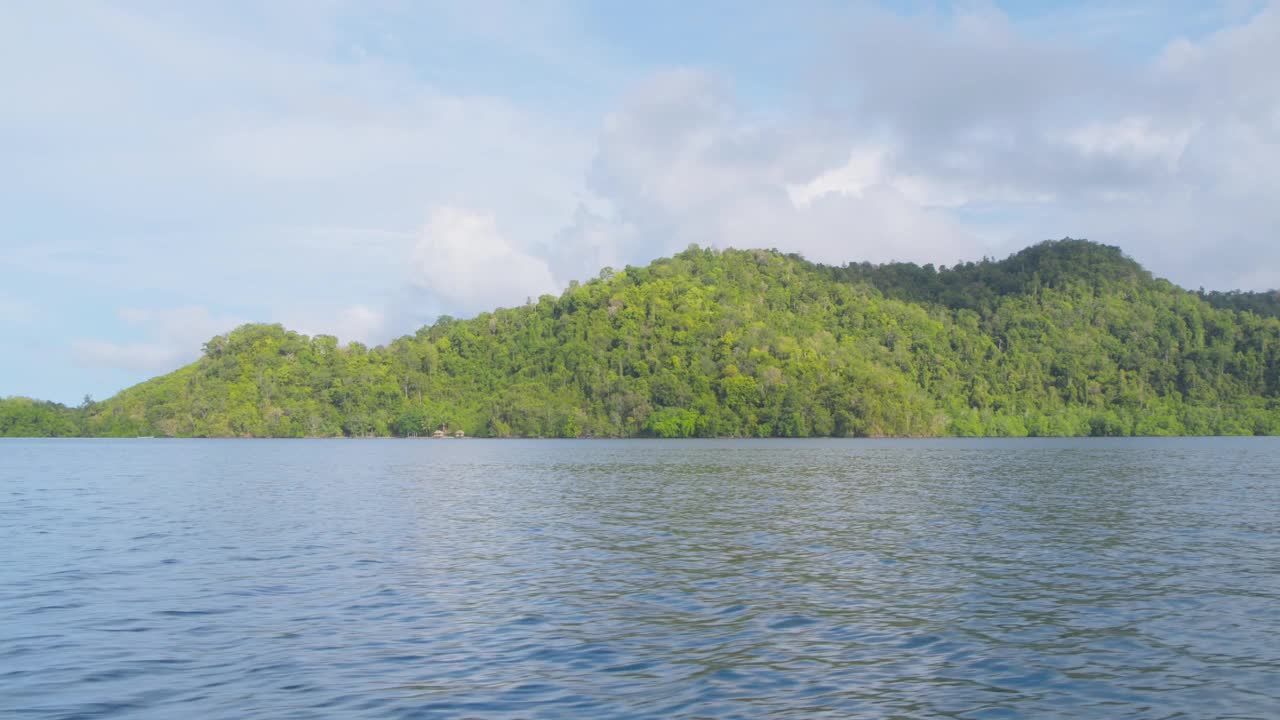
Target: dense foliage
24 417
1064 338
1266 304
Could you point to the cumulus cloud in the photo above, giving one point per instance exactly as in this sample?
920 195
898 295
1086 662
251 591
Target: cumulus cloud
281 156
681 162
591 242
940 139
285 158
1024 139
465 260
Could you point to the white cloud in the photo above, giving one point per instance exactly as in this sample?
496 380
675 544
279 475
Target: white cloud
360 322
1021 138
864 169
186 323
284 156
351 323
953 137
464 259
870 167
16 312
211 154
174 336
681 162
1136 137
144 356
171 337
591 242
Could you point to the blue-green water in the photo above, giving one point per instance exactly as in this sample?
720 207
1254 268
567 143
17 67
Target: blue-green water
596 579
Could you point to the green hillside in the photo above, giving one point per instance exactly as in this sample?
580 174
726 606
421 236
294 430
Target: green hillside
1063 338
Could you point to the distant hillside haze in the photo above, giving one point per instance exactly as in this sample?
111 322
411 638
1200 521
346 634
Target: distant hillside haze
1065 338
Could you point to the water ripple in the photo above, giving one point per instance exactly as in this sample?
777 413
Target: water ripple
1113 579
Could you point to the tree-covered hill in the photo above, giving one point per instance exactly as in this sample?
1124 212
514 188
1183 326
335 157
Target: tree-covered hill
1063 338
1266 304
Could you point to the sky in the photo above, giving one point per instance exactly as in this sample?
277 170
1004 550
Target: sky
173 170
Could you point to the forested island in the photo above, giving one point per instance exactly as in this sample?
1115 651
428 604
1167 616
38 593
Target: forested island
1065 338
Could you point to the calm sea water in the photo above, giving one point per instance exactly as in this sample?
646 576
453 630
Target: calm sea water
640 579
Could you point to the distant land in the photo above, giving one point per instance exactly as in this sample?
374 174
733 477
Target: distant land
1065 338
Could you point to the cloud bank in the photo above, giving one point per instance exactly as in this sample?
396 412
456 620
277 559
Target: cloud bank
357 170
171 337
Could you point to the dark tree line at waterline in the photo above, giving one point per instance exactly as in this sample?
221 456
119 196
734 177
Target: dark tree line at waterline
1063 338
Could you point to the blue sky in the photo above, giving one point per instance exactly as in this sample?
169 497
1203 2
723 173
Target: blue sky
357 168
